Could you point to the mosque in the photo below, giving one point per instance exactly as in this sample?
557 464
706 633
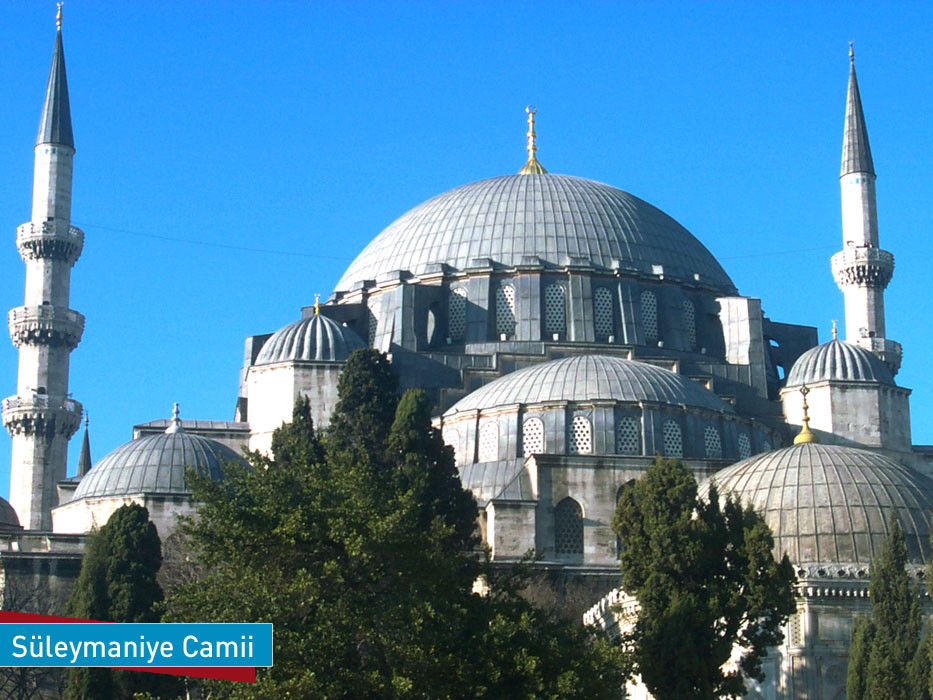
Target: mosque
567 332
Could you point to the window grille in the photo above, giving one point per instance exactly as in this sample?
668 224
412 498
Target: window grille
452 438
627 436
672 439
713 443
533 436
766 446
602 313
456 313
745 446
554 313
690 324
581 442
373 324
489 442
649 316
505 310
568 527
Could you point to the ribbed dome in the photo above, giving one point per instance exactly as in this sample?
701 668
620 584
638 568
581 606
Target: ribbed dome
590 377
315 338
552 217
8 519
155 464
840 361
828 504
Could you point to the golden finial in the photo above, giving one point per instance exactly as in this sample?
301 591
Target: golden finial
805 435
58 17
317 305
532 167
835 331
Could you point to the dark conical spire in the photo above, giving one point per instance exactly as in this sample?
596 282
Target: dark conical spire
55 125
856 153
84 460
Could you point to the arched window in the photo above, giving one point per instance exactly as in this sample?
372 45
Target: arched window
505 310
555 316
712 442
649 316
745 446
456 314
533 436
602 313
373 325
672 439
627 442
489 442
581 438
690 324
452 438
568 527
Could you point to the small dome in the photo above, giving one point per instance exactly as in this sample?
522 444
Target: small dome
840 361
829 504
155 464
588 378
551 217
8 519
316 338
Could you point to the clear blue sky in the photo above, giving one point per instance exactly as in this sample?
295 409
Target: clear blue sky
232 158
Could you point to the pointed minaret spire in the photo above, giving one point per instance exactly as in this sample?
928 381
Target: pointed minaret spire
55 124
84 460
856 153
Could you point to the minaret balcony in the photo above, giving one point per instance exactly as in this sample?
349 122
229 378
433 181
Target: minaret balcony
41 415
863 266
57 326
889 351
49 239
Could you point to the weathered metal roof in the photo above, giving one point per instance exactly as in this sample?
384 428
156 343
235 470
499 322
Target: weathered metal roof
55 123
856 152
839 361
316 338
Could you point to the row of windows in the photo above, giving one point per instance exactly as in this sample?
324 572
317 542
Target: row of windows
555 314
580 439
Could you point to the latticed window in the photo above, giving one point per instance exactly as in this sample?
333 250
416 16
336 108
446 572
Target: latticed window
568 527
690 323
581 436
649 316
452 438
373 324
712 442
554 313
602 313
766 446
745 446
505 310
456 313
627 442
672 439
533 436
489 442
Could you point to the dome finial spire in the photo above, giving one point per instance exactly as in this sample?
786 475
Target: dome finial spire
805 434
532 167
174 425
58 17
317 304
835 330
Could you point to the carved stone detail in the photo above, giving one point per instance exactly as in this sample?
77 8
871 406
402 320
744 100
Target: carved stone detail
863 266
46 325
39 415
49 240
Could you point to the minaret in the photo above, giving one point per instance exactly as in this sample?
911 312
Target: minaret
862 269
41 418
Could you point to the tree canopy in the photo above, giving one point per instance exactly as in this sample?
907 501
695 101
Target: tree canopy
706 581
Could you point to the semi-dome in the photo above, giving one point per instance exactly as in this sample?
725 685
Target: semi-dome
840 361
513 219
155 465
590 378
829 504
316 338
8 518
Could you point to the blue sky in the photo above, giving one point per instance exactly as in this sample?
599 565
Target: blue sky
233 158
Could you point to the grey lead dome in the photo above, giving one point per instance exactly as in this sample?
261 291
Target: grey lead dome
840 361
316 338
829 504
552 217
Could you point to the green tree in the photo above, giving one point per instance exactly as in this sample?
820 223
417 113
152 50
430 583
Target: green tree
706 582
360 547
117 583
885 649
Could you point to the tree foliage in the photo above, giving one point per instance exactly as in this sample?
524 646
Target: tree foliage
359 545
117 583
706 582
885 654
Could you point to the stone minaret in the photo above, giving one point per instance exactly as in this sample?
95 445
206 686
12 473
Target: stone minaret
41 418
862 269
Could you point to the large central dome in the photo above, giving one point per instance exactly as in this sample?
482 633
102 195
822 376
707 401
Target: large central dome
515 218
